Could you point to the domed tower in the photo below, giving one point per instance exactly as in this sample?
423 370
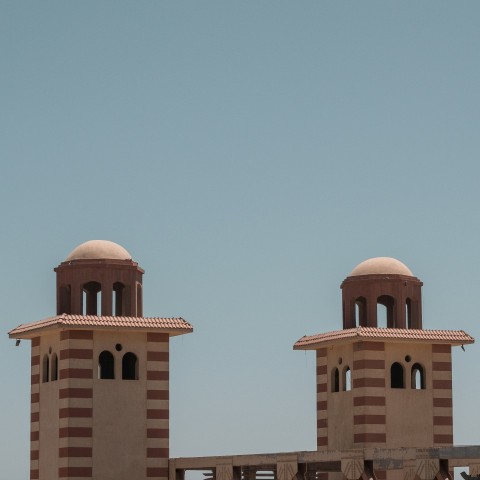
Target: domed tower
100 373
383 381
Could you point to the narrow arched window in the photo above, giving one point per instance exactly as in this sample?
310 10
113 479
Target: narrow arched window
408 313
54 367
65 301
106 366
397 376
45 369
361 312
385 315
347 379
129 366
335 380
418 377
119 298
92 298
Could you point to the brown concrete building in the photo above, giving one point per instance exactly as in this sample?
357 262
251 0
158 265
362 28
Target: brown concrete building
100 372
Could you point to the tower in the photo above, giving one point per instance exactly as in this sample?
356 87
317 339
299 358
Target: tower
100 373
383 385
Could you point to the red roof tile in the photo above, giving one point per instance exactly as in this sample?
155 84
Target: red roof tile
453 337
173 326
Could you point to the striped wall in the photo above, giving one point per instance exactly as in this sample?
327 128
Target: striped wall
322 412
157 406
442 395
35 410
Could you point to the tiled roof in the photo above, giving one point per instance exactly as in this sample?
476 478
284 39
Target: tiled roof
453 337
174 326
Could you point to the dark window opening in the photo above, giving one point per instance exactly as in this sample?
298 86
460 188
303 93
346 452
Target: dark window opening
129 366
360 312
335 380
408 313
45 369
54 369
385 316
396 376
65 299
106 366
92 298
139 300
347 379
418 377
119 299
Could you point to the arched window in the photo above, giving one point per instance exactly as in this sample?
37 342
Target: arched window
347 379
385 316
92 298
106 366
45 369
119 299
129 366
65 305
396 376
418 377
335 380
54 368
361 312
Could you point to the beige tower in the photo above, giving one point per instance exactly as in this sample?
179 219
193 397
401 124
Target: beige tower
100 373
387 385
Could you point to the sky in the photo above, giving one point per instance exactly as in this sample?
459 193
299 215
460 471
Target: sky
248 155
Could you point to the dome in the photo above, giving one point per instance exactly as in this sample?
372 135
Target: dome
99 249
381 266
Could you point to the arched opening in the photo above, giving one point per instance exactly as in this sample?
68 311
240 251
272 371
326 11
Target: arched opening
65 305
139 300
418 377
408 313
106 366
397 378
385 311
118 299
45 369
54 367
92 298
347 379
129 366
335 380
361 312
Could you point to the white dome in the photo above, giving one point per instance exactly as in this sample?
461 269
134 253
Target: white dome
381 266
99 249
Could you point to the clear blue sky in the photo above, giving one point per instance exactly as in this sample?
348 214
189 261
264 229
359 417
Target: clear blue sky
248 155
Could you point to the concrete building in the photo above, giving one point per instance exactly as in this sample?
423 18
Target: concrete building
99 403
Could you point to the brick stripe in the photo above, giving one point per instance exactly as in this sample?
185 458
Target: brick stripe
441 348
369 419
76 373
442 366
321 370
34 474
322 441
443 402
321 406
75 432
157 472
321 387
35 360
76 393
70 412
439 420
157 432
35 342
157 337
322 423
157 413
35 397
34 436
369 401
34 417
74 452
157 394
157 452
368 382
34 454
442 384
156 375
157 356
80 472
445 439
321 352
35 379
76 335
77 353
